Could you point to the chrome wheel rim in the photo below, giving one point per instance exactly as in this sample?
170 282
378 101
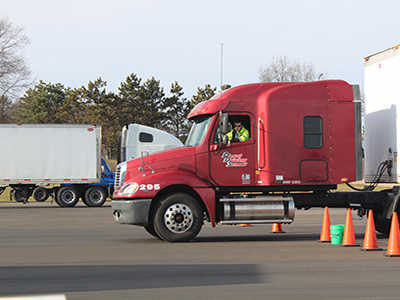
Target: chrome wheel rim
178 218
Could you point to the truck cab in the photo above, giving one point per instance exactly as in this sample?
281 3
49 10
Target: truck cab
135 139
303 137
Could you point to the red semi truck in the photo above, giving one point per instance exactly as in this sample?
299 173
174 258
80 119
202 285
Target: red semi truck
305 139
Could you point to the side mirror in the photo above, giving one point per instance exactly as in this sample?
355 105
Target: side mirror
102 169
224 123
224 140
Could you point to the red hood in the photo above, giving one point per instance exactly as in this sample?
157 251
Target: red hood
182 158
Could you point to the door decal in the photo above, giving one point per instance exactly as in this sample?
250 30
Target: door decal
233 160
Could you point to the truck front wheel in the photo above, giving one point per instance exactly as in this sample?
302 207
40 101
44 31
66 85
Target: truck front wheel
67 196
178 218
150 229
95 197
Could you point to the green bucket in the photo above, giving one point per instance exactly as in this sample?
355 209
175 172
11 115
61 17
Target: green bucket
337 234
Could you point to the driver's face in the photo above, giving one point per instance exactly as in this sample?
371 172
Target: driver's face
238 126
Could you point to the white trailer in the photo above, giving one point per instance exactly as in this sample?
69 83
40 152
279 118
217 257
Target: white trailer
136 139
382 111
34 156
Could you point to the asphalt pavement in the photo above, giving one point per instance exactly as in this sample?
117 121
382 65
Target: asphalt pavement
82 253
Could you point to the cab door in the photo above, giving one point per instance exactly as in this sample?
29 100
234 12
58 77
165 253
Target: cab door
234 165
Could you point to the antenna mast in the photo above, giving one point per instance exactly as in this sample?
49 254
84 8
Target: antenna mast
222 64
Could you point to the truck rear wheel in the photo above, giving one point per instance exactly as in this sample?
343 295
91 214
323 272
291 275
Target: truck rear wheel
67 196
382 224
178 218
95 196
40 194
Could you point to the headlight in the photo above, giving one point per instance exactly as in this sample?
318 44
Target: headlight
129 189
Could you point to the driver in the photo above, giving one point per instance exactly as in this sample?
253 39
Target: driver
238 133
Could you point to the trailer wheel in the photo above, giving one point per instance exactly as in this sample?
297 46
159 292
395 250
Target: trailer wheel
18 195
40 194
95 196
67 196
178 218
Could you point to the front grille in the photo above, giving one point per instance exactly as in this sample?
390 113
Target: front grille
118 182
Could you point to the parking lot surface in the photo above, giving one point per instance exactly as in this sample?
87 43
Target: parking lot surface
80 252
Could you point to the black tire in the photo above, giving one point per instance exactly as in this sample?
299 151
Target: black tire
150 229
19 195
40 194
95 196
67 196
178 218
382 224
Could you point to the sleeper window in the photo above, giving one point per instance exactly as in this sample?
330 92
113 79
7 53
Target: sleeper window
312 128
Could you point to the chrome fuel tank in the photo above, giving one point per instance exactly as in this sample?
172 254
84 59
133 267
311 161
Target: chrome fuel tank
259 210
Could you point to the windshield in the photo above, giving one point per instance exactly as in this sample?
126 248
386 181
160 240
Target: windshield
106 166
198 131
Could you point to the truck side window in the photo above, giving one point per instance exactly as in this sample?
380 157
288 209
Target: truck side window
312 128
145 137
245 120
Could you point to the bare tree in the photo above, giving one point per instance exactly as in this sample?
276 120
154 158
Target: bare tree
282 69
14 72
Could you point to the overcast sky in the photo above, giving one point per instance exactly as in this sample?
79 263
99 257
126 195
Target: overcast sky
74 42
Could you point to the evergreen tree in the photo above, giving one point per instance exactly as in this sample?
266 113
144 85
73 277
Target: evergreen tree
102 108
176 108
42 104
203 94
141 103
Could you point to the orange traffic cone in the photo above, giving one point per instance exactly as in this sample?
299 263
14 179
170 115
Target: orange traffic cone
277 228
394 238
349 238
325 229
370 240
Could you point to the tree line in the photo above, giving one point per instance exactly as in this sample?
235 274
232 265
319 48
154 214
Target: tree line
137 101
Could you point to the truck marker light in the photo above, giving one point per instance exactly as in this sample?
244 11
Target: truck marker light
345 180
213 147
